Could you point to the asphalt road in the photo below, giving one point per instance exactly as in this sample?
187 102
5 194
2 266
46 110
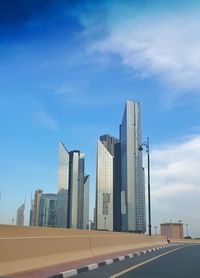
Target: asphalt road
173 262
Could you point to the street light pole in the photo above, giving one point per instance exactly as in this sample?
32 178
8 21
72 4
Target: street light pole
149 193
146 144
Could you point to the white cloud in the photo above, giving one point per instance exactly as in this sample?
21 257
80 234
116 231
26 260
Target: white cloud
66 90
70 94
45 119
166 47
175 183
85 97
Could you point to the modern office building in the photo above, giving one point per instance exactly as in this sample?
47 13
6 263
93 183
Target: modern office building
31 217
20 215
73 189
117 188
48 210
76 177
36 214
86 203
104 182
63 187
132 173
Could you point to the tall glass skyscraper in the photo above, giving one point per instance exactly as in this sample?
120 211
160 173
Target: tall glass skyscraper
132 173
31 219
63 187
104 182
117 188
36 214
20 215
86 203
76 177
72 190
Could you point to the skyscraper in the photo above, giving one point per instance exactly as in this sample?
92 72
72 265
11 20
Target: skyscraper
63 187
20 215
104 182
72 189
31 219
117 188
132 173
76 177
37 196
86 203
48 210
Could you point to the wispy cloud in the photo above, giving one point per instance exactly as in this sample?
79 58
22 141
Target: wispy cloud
83 96
166 47
43 118
71 95
65 90
175 183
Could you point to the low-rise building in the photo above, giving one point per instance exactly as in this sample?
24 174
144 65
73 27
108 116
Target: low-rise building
172 230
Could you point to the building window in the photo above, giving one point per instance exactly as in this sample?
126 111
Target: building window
106 201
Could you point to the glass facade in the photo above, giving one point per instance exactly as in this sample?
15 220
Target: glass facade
31 219
117 188
48 210
70 207
77 163
86 203
20 215
76 189
71 188
104 182
63 187
132 173
37 196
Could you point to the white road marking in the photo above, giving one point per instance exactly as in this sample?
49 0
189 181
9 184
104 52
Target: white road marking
69 273
140 264
92 266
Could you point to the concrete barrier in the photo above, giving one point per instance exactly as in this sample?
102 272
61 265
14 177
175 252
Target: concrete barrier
102 244
28 248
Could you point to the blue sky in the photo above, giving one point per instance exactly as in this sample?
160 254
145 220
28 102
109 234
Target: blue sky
66 71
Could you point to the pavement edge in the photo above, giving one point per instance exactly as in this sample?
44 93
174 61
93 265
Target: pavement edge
74 272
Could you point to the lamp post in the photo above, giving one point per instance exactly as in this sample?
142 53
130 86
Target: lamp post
146 144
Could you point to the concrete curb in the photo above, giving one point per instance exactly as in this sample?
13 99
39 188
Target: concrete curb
74 272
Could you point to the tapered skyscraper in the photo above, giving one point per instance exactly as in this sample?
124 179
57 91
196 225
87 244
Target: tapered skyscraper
86 203
76 178
36 214
132 173
63 187
104 182
20 215
73 190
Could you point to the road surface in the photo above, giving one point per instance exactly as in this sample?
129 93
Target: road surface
176 261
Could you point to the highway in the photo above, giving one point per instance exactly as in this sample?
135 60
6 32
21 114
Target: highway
176 261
